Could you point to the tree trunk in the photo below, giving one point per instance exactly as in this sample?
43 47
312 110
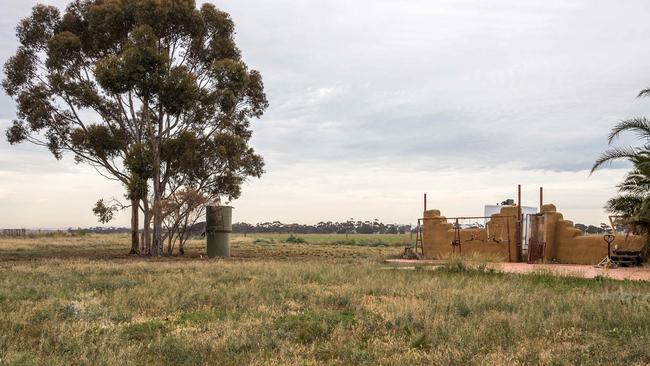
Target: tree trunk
157 211
135 227
157 201
146 230
155 129
147 236
170 247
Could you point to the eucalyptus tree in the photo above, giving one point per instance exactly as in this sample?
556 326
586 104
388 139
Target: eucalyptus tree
59 106
137 88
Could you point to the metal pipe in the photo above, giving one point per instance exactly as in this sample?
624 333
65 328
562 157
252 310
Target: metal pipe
425 202
420 233
508 233
519 230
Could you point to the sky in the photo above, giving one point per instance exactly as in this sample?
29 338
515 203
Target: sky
373 103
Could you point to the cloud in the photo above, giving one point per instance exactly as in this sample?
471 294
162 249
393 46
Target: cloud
338 191
374 102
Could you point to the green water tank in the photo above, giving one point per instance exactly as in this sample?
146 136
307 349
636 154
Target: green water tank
218 228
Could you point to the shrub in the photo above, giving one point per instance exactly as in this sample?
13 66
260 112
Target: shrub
69 311
343 302
462 308
146 330
312 326
295 239
373 243
201 317
455 265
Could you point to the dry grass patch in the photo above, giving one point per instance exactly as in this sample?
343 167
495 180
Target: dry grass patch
304 308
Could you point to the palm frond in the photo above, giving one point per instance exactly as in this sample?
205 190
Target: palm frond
643 165
626 205
635 183
618 153
639 125
644 93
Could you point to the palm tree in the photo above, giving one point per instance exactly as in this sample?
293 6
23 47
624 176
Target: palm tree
633 200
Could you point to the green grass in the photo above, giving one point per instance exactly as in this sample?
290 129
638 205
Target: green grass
338 239
289 303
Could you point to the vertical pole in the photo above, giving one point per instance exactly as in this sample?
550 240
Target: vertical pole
425 203
508 233
541 198
418 236
609 238
519 224
460 247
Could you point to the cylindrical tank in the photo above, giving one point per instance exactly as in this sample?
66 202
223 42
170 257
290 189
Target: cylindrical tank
218 228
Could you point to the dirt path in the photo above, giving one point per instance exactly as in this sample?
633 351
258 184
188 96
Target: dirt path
575 270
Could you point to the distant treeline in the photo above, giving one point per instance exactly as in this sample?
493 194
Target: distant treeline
323 227
592 229
99 230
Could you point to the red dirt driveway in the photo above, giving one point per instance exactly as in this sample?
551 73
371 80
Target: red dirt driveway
577 270
573 270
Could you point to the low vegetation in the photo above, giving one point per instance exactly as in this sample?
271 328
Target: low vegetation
297 303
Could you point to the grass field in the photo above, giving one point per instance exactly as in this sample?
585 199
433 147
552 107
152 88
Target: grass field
80 300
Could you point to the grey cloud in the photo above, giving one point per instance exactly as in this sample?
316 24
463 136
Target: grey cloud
434 81
427 85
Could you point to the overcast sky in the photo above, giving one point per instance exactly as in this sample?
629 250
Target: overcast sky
373 103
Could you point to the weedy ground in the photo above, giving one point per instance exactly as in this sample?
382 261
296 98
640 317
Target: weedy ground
80 300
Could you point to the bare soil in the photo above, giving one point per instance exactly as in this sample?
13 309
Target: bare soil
572 270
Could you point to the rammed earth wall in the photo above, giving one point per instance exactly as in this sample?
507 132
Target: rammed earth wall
564 243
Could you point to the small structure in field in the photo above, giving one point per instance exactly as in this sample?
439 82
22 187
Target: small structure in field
549 237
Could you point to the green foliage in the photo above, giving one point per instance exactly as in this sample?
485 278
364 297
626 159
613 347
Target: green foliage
373 242
102 141
68 311
138 162
150 93
35 31
19 69
363 242
455 265
633 202
179 92
311 327
104 213
295 239
145 331
462 309
63 49
345 242
201 317
340 302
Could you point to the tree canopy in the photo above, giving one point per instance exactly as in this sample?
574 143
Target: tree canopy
153 93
